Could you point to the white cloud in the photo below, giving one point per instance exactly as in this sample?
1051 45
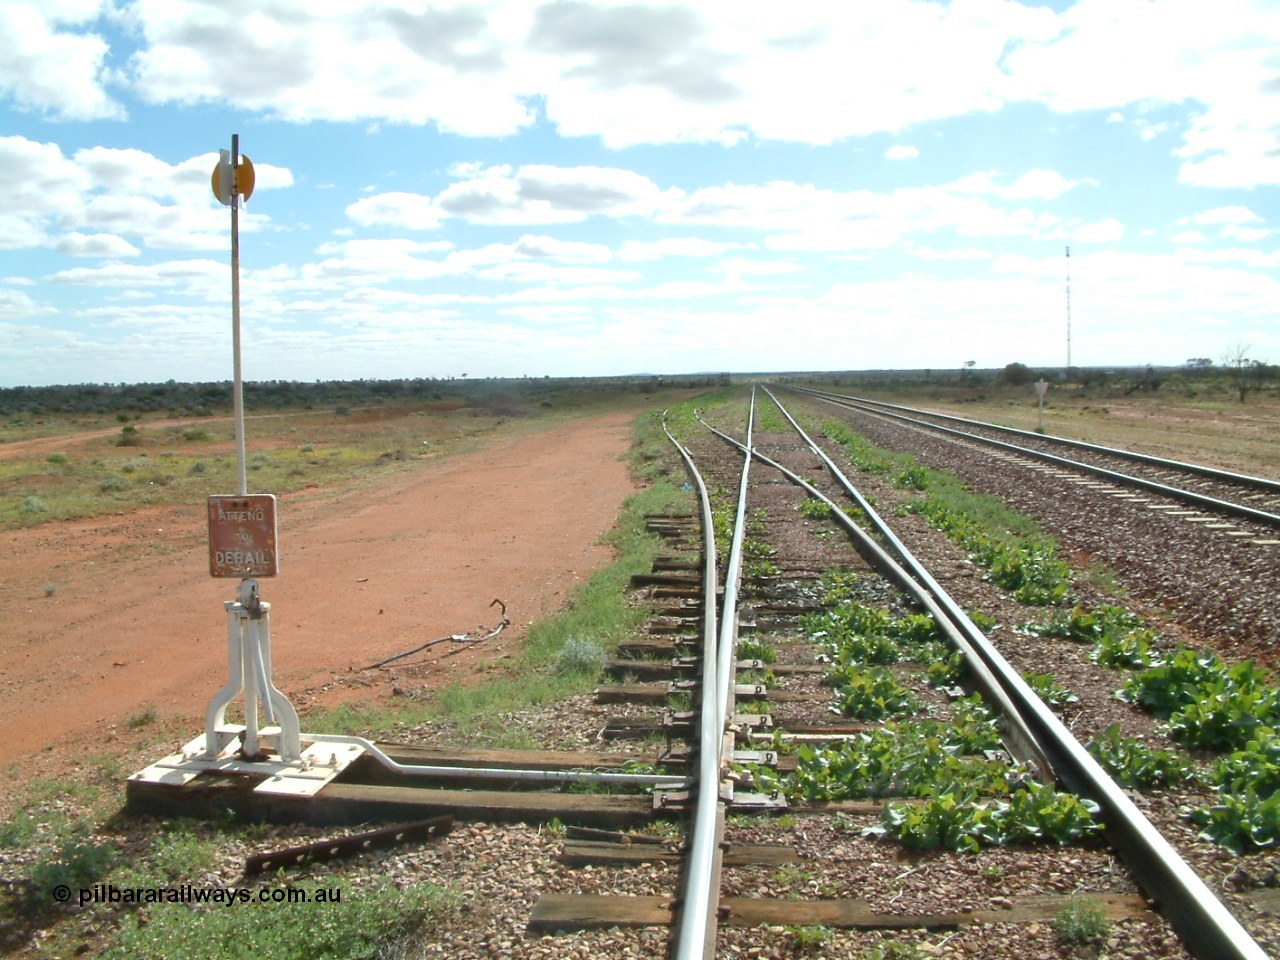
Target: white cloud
1245 234
1188 236
192 276
345 62
410 210
534 194
1039 185
531 259
16 305
94 245
1149 131
1246 257
672 247
739 266
56 201
1107 54
1154 307
540 193
530 272
634 73
1222 215
565 251
955 253
36 179
1105 231
44 67
901 151
805 217
1232 220
17 233
627 73
467 169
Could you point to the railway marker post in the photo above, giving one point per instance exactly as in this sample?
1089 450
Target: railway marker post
242 542
1042 387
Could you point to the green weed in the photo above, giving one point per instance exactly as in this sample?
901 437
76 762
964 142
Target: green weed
749 649
870 693
1049 690
143 718
814 509
580 656
1081 922
367 922
892 950
1241 822
77 863
811 938
1132 763
954 819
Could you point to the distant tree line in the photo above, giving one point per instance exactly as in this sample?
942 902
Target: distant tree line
1237 373
206 399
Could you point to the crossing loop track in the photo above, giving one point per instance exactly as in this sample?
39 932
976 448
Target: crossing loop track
1243 485
1204 924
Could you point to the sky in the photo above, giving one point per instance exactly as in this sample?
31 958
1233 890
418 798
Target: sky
574 188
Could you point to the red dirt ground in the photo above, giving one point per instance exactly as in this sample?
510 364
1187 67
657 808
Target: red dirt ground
136 621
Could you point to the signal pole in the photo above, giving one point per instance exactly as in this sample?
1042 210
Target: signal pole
237 401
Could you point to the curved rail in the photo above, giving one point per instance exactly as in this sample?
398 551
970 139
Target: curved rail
1205 925
950 620
696 936
1125 479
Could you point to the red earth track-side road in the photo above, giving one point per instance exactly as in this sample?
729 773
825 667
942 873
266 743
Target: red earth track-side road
136 622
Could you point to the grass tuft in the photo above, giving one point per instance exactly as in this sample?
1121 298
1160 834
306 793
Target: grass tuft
1081 922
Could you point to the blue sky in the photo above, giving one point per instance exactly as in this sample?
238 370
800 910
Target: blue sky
581 188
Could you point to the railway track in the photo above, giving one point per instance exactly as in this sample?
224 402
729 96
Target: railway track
709 850
1032 734
1218 493
1214 574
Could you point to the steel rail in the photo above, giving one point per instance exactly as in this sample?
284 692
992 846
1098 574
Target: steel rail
726 668
1206 927
1021 739
1124 479
733 582
952 620
1199 469
695 924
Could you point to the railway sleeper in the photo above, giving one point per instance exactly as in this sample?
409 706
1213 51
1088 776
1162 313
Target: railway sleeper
571 913
679 725
681 667
657 693
606 854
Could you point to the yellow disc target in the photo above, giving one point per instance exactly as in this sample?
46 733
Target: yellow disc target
244 180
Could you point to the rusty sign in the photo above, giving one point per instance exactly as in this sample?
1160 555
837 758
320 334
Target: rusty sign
242 536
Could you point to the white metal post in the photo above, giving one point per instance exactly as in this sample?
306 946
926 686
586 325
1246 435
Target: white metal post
215 739
248 617
237 395
278 709
249 662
